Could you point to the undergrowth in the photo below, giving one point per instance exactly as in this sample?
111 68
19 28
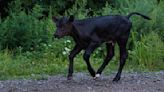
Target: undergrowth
28 50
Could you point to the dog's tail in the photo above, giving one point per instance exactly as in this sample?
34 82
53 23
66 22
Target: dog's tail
136 13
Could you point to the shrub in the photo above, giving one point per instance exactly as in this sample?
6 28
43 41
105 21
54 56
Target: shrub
148 53
151 8
23 30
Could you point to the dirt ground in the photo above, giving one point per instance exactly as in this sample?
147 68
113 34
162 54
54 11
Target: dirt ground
82 82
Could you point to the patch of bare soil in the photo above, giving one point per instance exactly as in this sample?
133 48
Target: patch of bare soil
82 82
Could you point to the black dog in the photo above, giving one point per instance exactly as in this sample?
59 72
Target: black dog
91 33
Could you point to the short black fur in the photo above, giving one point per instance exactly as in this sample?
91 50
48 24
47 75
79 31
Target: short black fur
90 33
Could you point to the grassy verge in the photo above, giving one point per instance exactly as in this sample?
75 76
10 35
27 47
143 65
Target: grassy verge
51 58
146 56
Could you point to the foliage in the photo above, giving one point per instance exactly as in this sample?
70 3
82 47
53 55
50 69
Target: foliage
27 48
148 53
148 7
23 30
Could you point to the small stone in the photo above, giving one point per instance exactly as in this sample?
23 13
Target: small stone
89 88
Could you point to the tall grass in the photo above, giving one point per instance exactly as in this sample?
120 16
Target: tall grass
148 53
50 58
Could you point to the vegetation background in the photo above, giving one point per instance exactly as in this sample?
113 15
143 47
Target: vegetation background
28 49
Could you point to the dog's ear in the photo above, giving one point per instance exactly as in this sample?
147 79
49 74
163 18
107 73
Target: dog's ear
55 19
71 18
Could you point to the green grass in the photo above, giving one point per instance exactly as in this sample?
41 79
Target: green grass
22 66
146 56
13 67
51 58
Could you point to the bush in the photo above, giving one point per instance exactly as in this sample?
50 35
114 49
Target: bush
148 53
151 8
23 30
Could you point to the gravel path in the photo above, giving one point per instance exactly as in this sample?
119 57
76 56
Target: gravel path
82 82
